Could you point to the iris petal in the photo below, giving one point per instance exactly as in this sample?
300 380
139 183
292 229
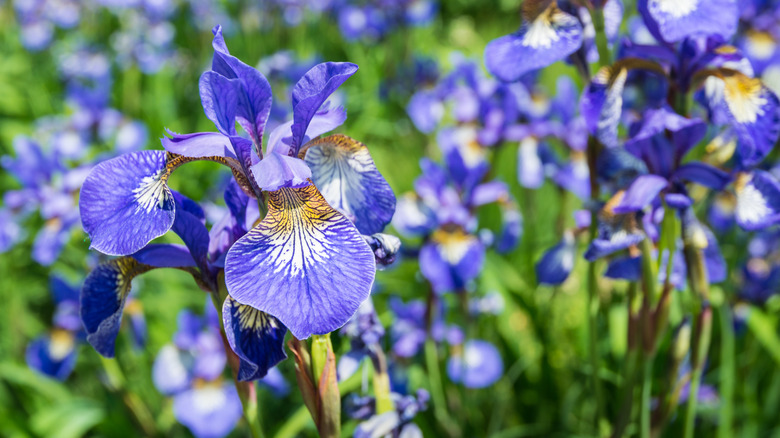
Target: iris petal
344 172
256 337
479 366
103 298
673 20
758 200
304 263
311 91
451 259
125 202
547 38
209 411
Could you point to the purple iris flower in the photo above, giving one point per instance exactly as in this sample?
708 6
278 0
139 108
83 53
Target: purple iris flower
395 423
546 36
190 371
408 332
54 354
305 266
479 365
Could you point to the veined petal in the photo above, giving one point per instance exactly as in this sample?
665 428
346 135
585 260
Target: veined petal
673 20
756 116
451 259
276 171
219 98
550 36
557 263
209 411
256 337
641 193
344 172
758 200
311 91
304 263
125 202
479 365
103 297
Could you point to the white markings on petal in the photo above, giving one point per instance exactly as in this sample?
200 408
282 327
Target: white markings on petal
760 45
751 204
745 98
338 174
152 192
675 8
208 399
541 33
61 344
453 245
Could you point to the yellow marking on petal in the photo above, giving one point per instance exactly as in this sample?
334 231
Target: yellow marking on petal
744 97
453 243
726 50
299 218
760 45
61 344
721 149
252 319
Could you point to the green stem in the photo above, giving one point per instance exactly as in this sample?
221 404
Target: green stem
252 413
116 383
698 356
437 389
727 373
690 407
384 403
647 387
601 37
593 309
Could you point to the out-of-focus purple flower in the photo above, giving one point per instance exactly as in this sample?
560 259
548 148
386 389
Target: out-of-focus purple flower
479 365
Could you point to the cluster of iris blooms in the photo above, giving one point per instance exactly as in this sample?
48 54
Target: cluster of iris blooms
302 236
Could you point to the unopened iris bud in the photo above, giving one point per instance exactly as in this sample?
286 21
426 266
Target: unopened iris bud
385 247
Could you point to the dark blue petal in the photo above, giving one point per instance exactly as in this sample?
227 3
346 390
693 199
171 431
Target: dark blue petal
103 298
165 255
602 105
53 355
189 226
256 337
304 263
345 174
311 91
557 263
125 202
624 268
704 174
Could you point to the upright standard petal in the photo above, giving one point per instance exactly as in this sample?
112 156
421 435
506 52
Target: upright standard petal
103 298
276 171
641 193
254 95
311 91
304 263
547 35
758 200
256 337
125 202
674 20
219 98
345 174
